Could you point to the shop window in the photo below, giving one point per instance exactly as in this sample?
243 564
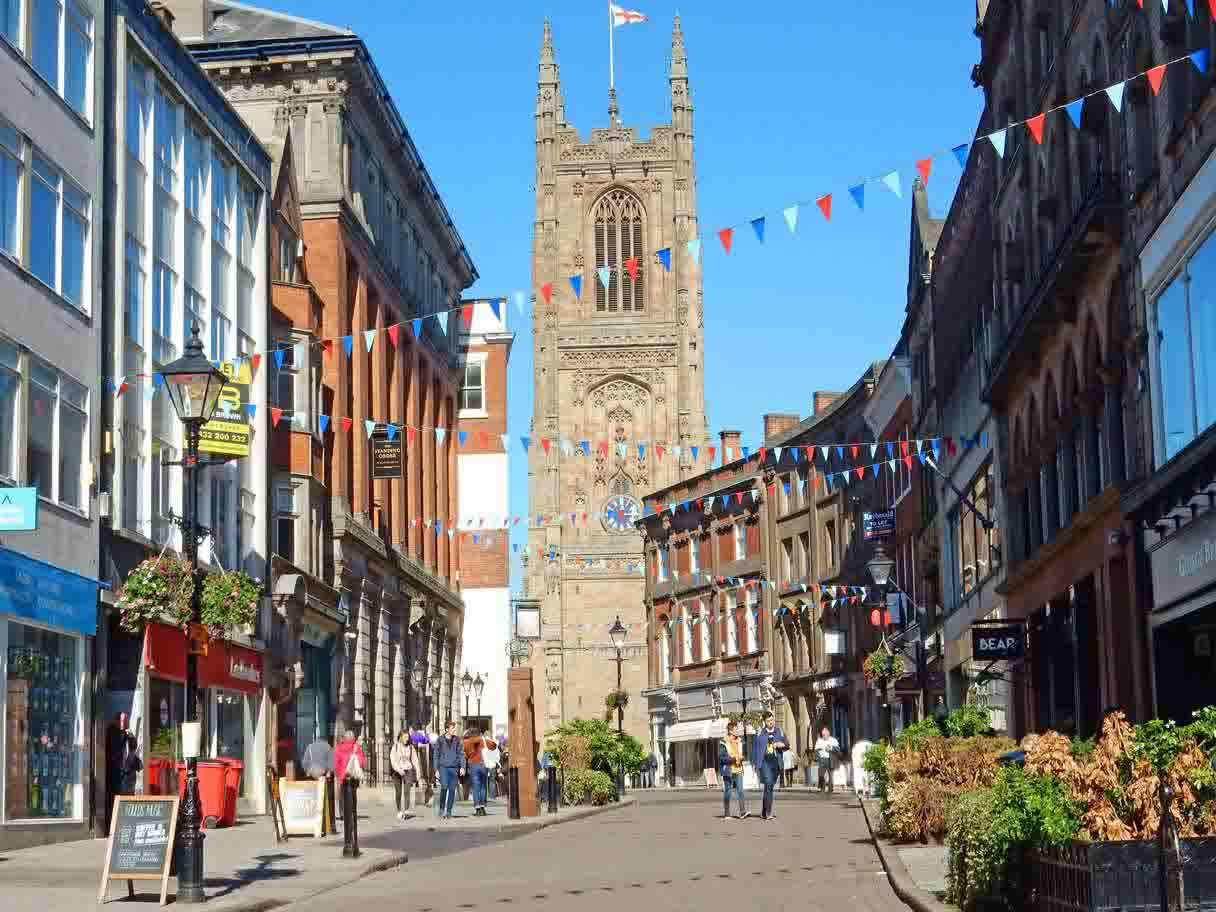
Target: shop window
787 561
829 544
732 622
166 713
704 621
665 656
285 516
288 247
751 620
55 442
804 554
740 541
694 558
10 382
44 730
472 390
664 564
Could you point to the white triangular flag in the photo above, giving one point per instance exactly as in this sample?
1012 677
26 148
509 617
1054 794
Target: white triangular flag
791 218
892 182
1115 94
998 141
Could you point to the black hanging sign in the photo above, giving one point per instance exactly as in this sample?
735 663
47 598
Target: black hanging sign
141 842
993 643
878 525
386 455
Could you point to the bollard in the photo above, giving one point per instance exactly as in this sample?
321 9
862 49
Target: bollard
350 820
552 783
513 800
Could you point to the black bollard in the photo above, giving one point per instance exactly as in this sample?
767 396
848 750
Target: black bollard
552 783
513 798
350 820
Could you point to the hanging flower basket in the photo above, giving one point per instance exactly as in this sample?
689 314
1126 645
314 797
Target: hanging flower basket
158 590
750 719
616 698
882 666
229 601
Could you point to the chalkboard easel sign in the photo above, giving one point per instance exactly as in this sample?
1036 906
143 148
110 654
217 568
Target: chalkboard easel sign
141 842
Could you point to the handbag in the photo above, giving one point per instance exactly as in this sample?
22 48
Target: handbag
354 769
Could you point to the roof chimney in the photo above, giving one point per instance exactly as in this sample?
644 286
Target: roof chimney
823 400
778 423
730 442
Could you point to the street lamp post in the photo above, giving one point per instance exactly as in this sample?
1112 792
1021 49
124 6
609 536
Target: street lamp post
880 567
479 687
194 387
617 633
467 683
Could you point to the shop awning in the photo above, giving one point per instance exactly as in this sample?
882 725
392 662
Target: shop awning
225 665
48 594
701 730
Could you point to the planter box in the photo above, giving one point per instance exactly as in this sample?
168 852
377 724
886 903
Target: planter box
1123 876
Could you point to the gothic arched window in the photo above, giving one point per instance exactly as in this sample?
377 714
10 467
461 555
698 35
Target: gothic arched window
618 218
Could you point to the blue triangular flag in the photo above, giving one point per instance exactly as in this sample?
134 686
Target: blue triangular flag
758 227
527 442
1074 111
279 354
463 435
416 323
664 256
960 153
1200 59
641 451
576 282
694 453
392 432
323 421
349 343
251 409
747 452
496 307
158 378
858 192
840 453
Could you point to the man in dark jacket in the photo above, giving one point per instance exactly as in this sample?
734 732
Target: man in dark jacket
449 760
770 744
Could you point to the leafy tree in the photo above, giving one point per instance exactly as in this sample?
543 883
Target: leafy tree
609 750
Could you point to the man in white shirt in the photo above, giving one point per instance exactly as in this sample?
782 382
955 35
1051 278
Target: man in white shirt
490 758
826 747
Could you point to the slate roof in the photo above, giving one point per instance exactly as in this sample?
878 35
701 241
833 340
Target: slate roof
237 22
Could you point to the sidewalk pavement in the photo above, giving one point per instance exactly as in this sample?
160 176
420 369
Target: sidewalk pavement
917 872
247 871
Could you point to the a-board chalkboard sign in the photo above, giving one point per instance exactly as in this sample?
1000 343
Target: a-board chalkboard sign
303 807
141 842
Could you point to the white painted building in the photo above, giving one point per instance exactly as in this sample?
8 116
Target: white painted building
482 467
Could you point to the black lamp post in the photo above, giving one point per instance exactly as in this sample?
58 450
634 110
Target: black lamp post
193 386
467 683
617 633
880 567
479 687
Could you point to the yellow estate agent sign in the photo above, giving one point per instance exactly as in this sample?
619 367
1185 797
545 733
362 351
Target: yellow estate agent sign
228 433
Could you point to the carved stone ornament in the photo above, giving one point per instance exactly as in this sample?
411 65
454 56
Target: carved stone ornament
609 358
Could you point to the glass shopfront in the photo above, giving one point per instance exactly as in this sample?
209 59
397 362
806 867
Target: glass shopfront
313 717
46 617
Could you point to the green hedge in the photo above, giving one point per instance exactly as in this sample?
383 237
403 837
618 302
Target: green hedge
588 785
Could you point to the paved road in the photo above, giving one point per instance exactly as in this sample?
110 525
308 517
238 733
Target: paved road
670 850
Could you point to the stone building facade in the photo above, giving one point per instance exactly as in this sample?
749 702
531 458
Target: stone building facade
378 248
618 390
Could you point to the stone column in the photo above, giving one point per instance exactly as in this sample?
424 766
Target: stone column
383 681
442 454
413 461
1112 431
361 404
429 512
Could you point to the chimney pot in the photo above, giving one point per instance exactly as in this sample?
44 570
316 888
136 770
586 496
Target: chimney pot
730 440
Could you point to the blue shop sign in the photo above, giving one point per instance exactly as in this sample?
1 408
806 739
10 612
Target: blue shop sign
46 594
18 509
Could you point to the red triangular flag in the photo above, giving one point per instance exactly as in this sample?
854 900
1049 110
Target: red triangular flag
485 440
903 447
347 424
546 291
256 361
1155 75
713 451
924 166
908 461
392 333
631 267
1212 7
466 314
327 346
725 236
761 453
739 497
1035 126
410 434
658 451
544 441
772 490
854 451
825 205
604 448
275 415
861 471
950 445
816 478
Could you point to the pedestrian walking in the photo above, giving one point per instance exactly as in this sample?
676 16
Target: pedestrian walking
768 747
789 763
474 744
349 764
450 763
826 749
122 762
730 765
406 768
491 756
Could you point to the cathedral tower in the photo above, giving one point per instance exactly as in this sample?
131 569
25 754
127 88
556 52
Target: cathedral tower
618 367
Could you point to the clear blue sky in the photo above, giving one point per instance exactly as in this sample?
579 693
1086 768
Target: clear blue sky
793 100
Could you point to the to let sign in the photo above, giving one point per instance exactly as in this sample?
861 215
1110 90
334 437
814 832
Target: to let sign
878 525
18 509
1007 641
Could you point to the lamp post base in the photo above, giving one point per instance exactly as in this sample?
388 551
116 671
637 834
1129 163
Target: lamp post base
190 868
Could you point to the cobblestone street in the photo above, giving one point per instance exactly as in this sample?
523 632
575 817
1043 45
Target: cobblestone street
669 850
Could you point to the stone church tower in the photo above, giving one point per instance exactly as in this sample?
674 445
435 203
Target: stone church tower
618 367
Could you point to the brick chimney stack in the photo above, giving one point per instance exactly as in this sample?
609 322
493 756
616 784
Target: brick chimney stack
822 400
778 423
730 441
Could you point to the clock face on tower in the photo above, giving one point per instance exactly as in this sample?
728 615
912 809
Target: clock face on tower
620 513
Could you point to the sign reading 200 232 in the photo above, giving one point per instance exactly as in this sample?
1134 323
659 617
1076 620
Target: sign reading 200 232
228 433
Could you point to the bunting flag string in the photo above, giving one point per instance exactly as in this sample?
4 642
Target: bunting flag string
892 180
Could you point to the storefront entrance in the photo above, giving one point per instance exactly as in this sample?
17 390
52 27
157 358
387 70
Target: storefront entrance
313 719
1185 659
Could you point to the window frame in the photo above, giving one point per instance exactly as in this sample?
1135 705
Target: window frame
82 407
478 360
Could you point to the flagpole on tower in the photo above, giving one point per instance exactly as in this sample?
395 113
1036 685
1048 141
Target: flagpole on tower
611 74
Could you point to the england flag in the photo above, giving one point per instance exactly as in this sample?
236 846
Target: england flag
622 16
